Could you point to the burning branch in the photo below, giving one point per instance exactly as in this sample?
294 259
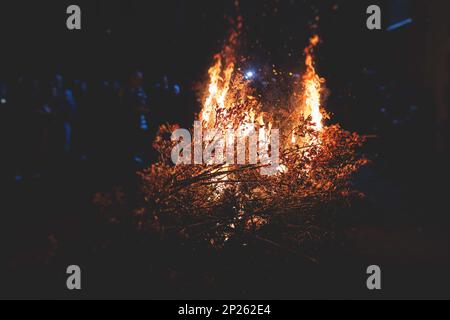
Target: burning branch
228 202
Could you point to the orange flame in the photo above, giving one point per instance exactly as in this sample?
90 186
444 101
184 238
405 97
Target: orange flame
217 92
312 85
229 102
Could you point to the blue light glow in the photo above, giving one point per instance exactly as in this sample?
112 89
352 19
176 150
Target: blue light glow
144 124
249 75
399 24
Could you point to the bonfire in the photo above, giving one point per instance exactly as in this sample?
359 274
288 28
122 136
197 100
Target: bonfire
228 202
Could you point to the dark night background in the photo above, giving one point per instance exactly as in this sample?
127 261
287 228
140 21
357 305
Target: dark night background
392 85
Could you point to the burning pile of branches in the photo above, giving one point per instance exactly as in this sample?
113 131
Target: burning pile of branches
223 202
216 202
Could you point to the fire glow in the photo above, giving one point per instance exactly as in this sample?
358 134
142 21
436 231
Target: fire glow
215 194
312 87
209 147
231 114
